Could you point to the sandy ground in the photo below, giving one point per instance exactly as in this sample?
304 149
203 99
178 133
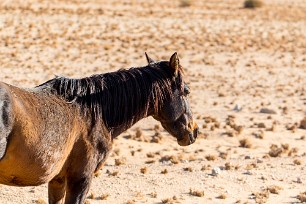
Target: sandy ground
237 63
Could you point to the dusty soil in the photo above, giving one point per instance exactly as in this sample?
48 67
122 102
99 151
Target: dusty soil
242 65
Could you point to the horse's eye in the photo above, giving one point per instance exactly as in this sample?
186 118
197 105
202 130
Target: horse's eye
186 90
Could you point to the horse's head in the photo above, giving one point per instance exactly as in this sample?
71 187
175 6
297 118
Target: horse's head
175 114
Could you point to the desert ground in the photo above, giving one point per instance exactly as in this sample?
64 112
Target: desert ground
246 69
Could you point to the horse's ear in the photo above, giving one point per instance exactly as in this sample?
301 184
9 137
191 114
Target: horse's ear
174 64
149 60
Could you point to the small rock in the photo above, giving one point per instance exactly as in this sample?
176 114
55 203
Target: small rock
267 111
216 171
259 160
247 157
237 108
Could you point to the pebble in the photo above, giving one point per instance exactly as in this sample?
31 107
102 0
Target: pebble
216 171
237 108
259 160
247 157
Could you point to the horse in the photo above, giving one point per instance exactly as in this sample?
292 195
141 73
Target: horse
61 132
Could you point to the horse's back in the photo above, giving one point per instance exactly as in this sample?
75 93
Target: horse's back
5 118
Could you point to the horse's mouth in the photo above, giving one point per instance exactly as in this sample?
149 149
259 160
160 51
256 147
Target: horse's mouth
190 138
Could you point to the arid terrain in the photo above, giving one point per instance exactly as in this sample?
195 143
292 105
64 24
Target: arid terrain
246 69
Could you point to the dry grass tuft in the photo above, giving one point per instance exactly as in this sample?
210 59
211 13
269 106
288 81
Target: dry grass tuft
114 173
104 196
150 161
120 161
144 170
253 4
173 159
190 169
153 194
40 201
274 189
275 151
130 202
185 3
222 196
245 143
197 193
261 197
302 197
165 171
170 200
297 162
211 157
206 167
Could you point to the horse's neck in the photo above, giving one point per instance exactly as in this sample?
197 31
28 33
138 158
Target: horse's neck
116 131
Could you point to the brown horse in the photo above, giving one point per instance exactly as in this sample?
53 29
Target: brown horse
61 132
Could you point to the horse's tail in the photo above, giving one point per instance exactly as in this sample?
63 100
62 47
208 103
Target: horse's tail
5 118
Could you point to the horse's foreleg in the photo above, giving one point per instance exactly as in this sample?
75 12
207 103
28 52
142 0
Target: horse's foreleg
77 189
56 190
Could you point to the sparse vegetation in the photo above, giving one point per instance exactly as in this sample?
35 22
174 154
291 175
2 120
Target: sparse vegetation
274 189
245 143
302 197
197 193
253 4
185 3
144 170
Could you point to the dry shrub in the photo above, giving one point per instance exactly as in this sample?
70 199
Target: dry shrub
222 196
188 169
275 151
261 197
150 161
170 200
197 193
223 155
185 3
206 167
40 201
274 189
297 162
120 161
104 196
144 170
253 4
228 166
150 155
114 173
251 166
165 171
153 194
172 159
302 197
211 157
303 123
245 143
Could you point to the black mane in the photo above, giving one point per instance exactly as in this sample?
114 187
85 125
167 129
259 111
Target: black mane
120 97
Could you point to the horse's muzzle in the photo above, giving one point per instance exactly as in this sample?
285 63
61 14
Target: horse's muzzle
191 137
